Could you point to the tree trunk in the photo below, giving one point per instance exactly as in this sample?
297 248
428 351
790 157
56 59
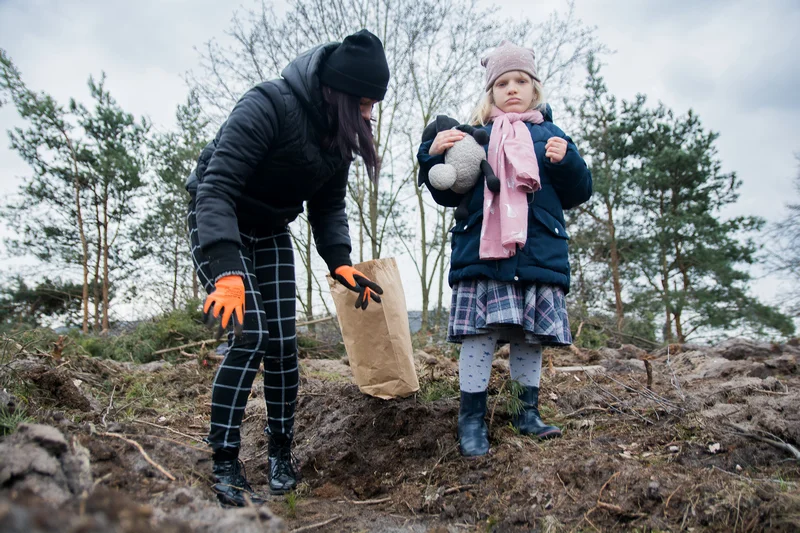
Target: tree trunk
195 285
442 269
99 253
309 279
679 328
423 267
82 233
105 259
665 284
175 270
373 215
615 275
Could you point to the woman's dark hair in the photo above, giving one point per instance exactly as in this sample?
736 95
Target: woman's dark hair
351 133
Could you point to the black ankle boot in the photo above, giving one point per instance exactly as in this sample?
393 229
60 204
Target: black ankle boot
282 466
231 486
528 421
473 435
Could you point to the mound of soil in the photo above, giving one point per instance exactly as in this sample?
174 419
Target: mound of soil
708 441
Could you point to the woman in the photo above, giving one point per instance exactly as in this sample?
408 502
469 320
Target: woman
286 142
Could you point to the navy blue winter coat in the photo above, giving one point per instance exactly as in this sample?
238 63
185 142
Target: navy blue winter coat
544 258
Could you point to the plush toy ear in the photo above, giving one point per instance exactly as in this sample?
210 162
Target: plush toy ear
429 132
443 122
480 136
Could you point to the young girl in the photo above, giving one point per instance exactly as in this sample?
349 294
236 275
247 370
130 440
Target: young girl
509 269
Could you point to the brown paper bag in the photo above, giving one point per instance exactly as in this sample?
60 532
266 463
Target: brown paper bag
378 339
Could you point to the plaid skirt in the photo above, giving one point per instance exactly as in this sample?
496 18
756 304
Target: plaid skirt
483 305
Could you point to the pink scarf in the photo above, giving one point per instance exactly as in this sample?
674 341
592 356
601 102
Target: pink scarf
511 155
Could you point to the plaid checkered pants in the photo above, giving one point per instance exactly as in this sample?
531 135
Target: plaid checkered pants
268 336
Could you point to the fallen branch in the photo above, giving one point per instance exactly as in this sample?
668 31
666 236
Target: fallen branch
774 441
208 341
168 429
754 479
167 439
453 490
565 488
315 526
315 321
612 478
370 502
494 406
675 381
141 450
110 404
182 346
649 369
611 507
587 408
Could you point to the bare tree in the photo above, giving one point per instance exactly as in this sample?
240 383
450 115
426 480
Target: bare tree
785 259
433 55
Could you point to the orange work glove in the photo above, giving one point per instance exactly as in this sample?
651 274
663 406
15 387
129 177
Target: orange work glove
358 282
228 299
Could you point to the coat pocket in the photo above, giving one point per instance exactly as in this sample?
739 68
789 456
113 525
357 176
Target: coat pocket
550 222
465 242
548 243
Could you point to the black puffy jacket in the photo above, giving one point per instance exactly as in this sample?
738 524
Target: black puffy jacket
265 161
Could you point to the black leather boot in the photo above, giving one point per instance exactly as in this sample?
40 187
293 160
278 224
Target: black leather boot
231 486
473 435
528 421
282 466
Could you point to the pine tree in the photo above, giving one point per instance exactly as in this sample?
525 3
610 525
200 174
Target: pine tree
113 151
692 260
49 215
162 236
607 134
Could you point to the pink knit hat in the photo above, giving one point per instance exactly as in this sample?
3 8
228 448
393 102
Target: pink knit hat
508 57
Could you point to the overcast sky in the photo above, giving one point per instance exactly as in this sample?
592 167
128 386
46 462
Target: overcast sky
736 63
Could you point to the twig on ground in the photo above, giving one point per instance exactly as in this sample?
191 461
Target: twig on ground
666 504
182 346
195 438
619 401
445 454
614 476
141 450
774 440
370 502
110 404
675 381
496 399
611 507
315 526
565 488
648 367
752 479
453 490
204 450
587 408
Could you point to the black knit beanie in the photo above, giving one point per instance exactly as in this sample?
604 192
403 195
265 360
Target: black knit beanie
358 67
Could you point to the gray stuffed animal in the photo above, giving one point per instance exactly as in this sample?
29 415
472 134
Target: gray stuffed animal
464 163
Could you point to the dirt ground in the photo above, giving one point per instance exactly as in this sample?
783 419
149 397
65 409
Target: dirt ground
710 445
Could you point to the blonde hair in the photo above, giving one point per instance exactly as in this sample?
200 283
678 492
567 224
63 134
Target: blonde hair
482 112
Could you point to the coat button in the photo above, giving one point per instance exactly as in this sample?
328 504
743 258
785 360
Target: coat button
466 226
516 278
556 230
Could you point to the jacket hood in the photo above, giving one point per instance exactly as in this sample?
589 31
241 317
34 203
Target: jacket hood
302 75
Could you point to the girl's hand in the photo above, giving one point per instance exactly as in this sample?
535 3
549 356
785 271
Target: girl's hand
445 140
555 149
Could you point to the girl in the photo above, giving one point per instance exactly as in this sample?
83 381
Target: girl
287 141
509 269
